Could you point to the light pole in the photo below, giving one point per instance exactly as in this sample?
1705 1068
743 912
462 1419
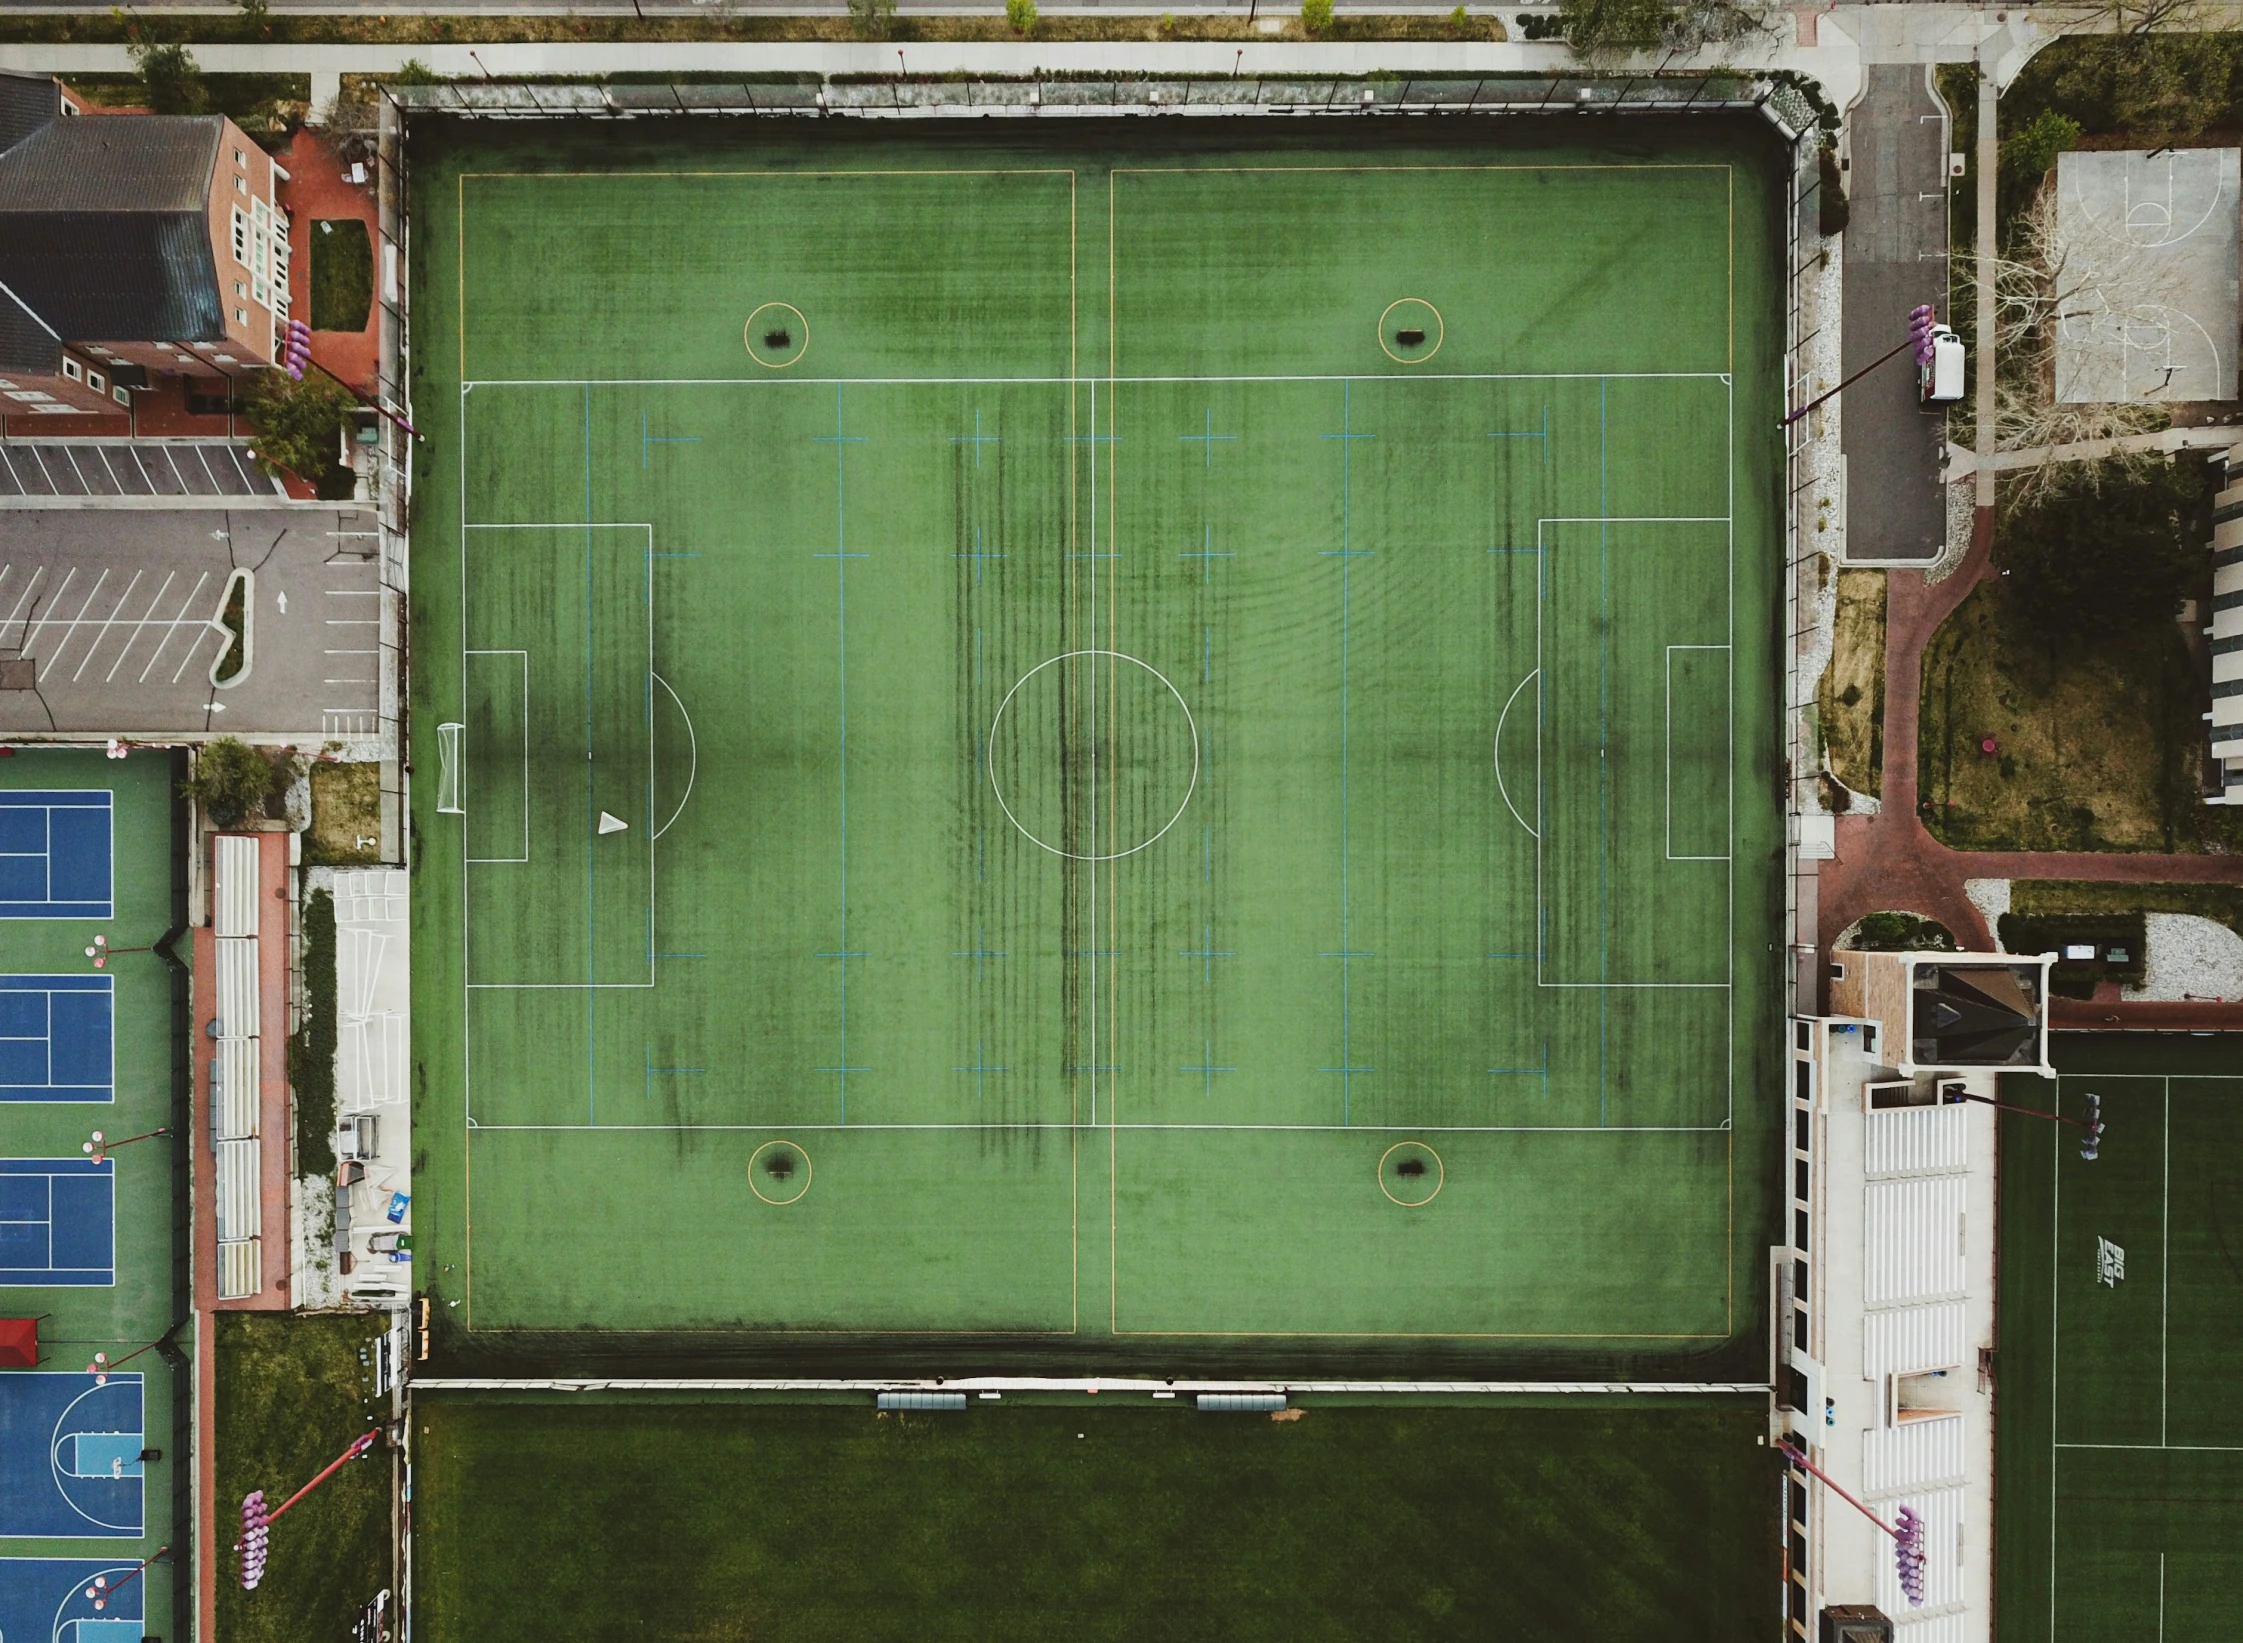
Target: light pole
2091 1144
101 951
100 1147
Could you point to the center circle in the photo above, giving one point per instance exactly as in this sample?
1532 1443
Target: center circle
779 1172
1093 755
1411 1174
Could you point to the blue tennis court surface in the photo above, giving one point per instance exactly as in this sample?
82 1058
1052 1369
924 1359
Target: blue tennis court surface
54 853
55 1040
58 1222
70 1457
48 1600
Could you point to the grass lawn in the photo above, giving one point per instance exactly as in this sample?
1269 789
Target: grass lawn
342 275
292 1393
346 807
2222 903
1851 702
2097 749
719 1522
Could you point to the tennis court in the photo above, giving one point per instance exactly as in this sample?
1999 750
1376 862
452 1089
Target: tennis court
2122 1433
55 1040
1099 738
58 1221
55 853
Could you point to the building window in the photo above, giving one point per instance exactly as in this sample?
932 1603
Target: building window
70 369
96 381
241 236
240 158
120 396
241 316
240 290
241 183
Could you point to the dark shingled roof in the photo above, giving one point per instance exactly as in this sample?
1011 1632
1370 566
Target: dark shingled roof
104 227
26 344
27 102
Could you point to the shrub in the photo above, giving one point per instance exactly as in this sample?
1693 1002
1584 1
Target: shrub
1316 15
2107 548
300 426
2031 149
1832 209
1592 26
174 81
1459 21
1021 15
231 780
873 18
311 1048
1902 933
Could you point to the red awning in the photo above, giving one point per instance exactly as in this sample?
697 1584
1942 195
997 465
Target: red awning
19 1343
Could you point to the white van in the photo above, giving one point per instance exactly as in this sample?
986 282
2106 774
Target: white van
1939 380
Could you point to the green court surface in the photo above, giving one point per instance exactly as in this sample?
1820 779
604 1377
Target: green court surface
2121 1435
1193 722
144 1292
1090 1521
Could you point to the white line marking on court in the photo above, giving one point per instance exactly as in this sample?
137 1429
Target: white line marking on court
1190 787
693 755
2164 1289
1109 1124
1500 785
1071 381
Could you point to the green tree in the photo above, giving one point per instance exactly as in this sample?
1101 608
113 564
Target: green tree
233 780
1594 27
2029 150
1316 15
873 18
300 425
1021 15
2107 548
257 14
174 81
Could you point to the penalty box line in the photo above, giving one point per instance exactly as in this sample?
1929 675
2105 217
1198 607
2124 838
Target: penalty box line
467 651
1083 380
1541 603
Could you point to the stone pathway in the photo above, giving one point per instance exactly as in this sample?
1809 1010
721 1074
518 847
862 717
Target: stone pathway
1889 860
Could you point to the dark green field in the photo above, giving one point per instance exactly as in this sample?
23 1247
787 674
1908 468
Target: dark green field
1155 805
718 1522
2121 1425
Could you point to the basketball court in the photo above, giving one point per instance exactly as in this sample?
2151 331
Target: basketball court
71 1600
1075 739
70 1447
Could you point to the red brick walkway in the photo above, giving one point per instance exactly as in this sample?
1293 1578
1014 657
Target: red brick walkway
1889 860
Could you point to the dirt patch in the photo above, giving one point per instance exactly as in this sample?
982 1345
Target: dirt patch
2095 747
346 808
1851 701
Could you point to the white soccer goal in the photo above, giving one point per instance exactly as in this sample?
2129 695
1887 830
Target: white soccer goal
448 770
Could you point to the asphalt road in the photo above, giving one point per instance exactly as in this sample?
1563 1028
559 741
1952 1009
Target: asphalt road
1896 257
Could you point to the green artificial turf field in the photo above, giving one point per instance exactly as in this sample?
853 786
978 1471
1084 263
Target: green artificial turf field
1194 718
718 1521
2121 1430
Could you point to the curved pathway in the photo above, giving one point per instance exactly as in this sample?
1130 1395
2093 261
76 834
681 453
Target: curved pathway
1889 860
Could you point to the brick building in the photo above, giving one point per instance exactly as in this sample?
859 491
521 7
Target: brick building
131 247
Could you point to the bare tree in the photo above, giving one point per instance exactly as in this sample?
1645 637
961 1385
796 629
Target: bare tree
2044 290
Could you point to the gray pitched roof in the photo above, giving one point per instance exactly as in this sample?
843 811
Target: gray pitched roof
104 227
27 102
27 343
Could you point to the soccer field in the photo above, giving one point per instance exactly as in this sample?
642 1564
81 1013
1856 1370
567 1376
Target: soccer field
1091 1519
2121 1481
1193 719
